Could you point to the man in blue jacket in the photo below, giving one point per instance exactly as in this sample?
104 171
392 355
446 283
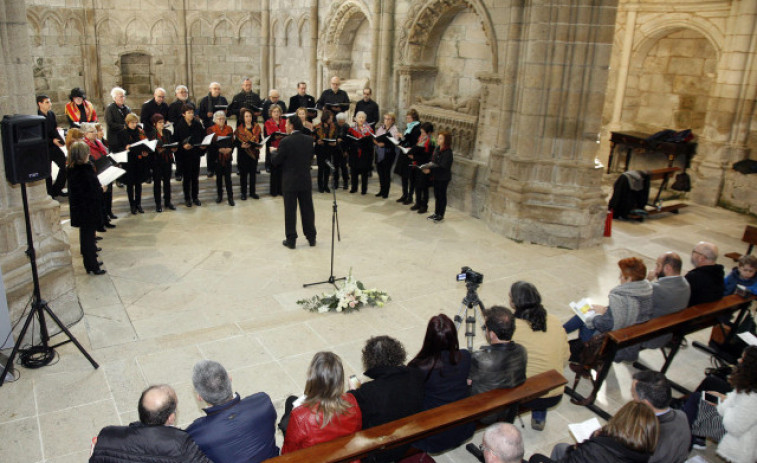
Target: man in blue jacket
234 430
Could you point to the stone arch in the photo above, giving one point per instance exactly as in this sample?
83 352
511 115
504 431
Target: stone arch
425 18
107 30
304 20
162 28
73 31
654 30
51 27
136 32
289 30
34 30
223 32
252 21
339 34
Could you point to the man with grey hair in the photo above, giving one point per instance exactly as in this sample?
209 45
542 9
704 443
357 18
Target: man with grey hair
273 99
246 99
211 103
502 443
234 430
174 115
707 278
156 105
115 118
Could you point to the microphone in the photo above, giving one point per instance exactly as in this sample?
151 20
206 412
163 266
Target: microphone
331 166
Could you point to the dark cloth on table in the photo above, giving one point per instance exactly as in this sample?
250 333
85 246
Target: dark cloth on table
707 283
138 443
630 191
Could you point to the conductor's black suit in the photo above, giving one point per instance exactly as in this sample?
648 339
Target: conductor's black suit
295 156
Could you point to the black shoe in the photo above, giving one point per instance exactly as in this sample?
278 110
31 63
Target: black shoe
140 210
423 210
401 199
112 216
99 271
219 199
378 194
61 194
158 208
178 178
196 202
344 187
254 196
102 230
170 206
326 189
363 192
385 196
99 262
133 210
188 203
415 207
431 217
243 197
408 201
109 225
98 249
98 238
311 242
231 202
320 190
438 218
289 244
352 191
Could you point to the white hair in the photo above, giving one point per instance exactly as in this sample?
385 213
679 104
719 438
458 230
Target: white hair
87 127
341 116
272 91
359 113
159 89
218 114
180 88
117 91
213 84
505 440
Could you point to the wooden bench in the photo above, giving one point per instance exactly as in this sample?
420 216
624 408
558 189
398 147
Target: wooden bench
415 427
678 324
656 204
750 238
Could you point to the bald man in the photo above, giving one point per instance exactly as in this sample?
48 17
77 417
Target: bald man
152 438
707 278
157 105
274 98
502 443
334 95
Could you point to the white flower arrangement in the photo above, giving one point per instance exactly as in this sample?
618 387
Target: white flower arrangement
350 297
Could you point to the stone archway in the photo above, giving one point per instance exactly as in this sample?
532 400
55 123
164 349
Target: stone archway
346 35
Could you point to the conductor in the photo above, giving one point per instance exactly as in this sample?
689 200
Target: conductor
295 156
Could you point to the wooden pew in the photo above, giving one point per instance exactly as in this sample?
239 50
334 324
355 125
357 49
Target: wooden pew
678 324
415 427
750 238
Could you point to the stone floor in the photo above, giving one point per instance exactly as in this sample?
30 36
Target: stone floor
215 282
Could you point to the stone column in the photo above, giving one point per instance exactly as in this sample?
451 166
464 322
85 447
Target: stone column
730 106
375 41
50 241
90 55
184 71
265 47
314 46
386 59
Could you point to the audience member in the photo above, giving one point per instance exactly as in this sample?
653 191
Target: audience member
234 430
670 292
501 443
395 392
744 274
501 364
327 412
629 437
653 389
153 438
446 369
546 344
707 277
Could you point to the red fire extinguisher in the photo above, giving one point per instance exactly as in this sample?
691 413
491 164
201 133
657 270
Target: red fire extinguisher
608 223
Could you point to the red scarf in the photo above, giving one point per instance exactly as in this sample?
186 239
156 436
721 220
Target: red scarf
72 111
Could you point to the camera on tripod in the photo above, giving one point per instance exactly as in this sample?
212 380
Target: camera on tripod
468 275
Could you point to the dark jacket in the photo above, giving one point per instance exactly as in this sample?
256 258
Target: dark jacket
194 132
239 431
51 127
149 109
298 101
707 283
267 108
394 393
174 109
328 96
85 197
442 172
295 155
208 105
244 100
403 162
498 366
371 110
138 443
604 449
114 123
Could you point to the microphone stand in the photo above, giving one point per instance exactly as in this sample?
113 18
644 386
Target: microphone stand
334 229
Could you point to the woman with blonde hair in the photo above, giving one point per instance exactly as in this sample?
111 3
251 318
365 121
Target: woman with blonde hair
85 203
327 411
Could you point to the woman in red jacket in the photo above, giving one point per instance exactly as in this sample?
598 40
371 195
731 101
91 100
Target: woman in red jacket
327 412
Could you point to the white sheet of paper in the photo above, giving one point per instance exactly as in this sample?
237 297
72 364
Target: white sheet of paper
206 141
148 143
584 430
748 338
109 175
121 156
403 149
54 170
582 308
263 141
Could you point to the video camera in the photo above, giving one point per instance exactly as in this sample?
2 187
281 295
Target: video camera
470 276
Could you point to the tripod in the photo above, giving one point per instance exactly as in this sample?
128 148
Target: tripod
334 228
468 306
39 306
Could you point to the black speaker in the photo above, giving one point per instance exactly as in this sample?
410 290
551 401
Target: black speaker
25 148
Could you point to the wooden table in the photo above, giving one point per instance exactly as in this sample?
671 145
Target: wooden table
638 141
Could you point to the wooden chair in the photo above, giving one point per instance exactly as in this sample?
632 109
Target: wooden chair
750 238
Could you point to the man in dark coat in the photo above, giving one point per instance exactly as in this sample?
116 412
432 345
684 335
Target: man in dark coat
369 107
295 156
157 105
273 99
501 364
301 99
395 392
211 103
182 98
153 438
54 144
707 278
246 99
235 429
334 96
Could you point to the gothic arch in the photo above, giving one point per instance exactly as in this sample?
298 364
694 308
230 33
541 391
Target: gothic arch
338 34
51 20
251 20
132 31
304 19
289 26
660 27
34 29
108 30
162 24
426 15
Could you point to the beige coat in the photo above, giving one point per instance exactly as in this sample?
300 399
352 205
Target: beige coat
547 350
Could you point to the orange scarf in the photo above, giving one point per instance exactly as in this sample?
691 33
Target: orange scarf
72 111
245 135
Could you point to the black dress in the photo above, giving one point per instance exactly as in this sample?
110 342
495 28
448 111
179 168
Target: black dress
192 134
85 198
138 166
402 168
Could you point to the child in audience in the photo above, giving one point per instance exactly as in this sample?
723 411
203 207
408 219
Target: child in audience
744 274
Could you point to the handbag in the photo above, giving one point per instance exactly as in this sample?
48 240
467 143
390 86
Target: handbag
682 182
708 423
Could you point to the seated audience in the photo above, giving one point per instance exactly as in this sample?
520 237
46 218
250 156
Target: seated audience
630 302
153 438
629 437
445 369
653 389
502 443
736 411
744 274
707 277
501 364
670 292
545 341
395 392
327 412
234 429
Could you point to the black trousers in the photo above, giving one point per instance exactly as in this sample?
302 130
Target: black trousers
440 196
161 175
134 177
108 202
275 181
324 171
247 171
307 214
180 165
421 188
55 188
340 163
363 173
88 246
191 177
211 158
223 173
384 170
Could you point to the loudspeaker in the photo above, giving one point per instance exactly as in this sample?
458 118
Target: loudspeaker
25 148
